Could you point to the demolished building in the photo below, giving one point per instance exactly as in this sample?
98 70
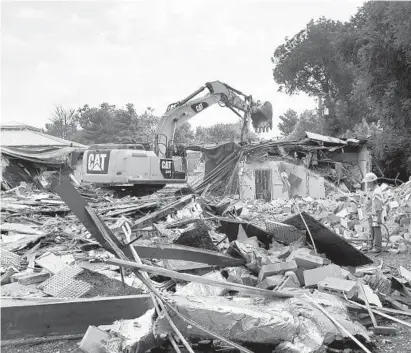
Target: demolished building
284 168
201 272
27 152
304 169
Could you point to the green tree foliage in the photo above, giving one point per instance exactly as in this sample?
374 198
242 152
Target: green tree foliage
288 121
221 133
184 134
362 70
107 124
308 121
63 123
309 62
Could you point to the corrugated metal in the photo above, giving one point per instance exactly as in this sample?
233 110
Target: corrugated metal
28 137
322 138
51 156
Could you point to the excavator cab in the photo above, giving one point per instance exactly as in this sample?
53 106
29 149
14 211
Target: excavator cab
262 117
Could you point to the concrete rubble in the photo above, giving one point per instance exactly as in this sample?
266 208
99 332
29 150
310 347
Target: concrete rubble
51 254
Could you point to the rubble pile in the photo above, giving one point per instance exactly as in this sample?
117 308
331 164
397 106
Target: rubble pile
344 214
221 273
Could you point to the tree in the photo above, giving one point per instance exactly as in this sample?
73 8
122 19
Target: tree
219 133
380 49
309 63
310 121
63 123
184 134
289 120
108 124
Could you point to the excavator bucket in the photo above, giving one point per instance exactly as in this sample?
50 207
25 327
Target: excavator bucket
262 117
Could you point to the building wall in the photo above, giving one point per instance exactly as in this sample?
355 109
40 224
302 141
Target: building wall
308 184
356 160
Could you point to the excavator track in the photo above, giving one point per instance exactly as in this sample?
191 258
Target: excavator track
135 190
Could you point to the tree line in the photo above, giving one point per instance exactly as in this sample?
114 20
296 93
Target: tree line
360 72
110 124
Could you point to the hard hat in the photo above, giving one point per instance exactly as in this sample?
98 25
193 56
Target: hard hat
369 178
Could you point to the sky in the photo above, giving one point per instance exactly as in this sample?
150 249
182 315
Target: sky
147 52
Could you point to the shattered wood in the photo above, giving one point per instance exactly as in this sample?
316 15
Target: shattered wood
222 268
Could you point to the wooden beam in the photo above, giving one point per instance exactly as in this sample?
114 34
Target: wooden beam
157 215
199 279
23 320
186 253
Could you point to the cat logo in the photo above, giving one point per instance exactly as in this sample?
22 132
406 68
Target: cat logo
97 162
165 164
166 168
199 107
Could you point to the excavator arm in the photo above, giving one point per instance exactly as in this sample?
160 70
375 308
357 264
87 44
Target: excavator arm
180 112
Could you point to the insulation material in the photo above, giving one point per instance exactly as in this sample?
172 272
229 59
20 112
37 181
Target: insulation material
133 335
64 285
254 257
203 290
294 323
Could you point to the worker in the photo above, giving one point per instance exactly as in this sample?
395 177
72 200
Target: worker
373 205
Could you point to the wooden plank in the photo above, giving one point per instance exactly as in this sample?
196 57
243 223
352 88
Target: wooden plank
131 209
78 205
157 215
186 253
199 279
29 320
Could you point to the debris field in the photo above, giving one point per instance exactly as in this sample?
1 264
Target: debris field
200 272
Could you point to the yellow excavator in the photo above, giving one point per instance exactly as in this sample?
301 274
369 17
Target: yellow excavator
141 171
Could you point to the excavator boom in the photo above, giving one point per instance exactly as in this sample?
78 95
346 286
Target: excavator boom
243 105
132 166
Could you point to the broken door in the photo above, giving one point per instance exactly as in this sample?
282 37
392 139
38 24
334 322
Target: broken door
263 184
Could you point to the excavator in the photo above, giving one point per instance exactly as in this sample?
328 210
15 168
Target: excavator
140 171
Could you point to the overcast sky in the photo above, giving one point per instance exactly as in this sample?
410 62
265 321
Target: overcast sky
149 53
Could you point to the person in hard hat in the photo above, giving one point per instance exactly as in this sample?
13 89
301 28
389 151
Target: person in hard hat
373 205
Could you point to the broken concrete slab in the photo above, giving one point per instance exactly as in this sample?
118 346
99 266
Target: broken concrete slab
371 296
93 340
275 269
336 248
338 286
51 263
308 261
271 282
405 273
239 275
293 323
316 275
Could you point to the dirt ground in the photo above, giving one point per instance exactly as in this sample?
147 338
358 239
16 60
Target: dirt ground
401 343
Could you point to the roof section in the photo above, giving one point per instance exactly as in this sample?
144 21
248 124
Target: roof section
322 138
13 135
